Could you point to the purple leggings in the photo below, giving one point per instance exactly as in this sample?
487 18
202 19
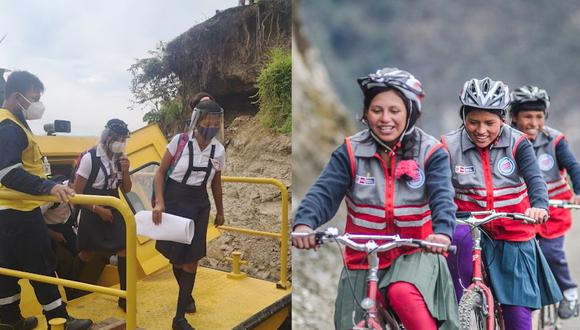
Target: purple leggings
460 265
517 317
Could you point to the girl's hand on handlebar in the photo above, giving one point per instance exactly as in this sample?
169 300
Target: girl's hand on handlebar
437 238
575 199
304 242
540 215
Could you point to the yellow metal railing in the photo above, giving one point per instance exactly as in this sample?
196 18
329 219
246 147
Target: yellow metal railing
130 293
283 282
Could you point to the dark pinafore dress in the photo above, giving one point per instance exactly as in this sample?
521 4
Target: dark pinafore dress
191 202
95 234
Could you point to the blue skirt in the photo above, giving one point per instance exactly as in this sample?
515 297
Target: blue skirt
519 273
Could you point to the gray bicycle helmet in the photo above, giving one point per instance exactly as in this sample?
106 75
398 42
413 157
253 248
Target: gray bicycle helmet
484 94
529 97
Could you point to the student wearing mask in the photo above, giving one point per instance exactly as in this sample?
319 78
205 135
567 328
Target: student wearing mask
191 160
101 171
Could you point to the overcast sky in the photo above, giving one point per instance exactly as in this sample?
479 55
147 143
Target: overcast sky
81 50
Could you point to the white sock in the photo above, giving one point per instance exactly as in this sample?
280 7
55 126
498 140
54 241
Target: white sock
571 294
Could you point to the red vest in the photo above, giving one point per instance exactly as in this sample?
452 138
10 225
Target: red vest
486 179
380 204
545 147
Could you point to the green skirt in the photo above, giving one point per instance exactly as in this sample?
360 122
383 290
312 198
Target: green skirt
427 272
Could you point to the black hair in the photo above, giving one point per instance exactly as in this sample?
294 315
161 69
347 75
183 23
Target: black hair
21 82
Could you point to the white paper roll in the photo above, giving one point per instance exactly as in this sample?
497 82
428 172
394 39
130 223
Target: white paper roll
172 227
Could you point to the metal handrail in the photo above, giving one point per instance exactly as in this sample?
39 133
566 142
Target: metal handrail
283 282
130 293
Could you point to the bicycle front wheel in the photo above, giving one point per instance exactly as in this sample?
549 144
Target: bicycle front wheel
472 312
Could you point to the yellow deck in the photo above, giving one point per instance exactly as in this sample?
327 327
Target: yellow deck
222 303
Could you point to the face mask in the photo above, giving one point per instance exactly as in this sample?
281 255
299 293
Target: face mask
34 111
207 132
118 147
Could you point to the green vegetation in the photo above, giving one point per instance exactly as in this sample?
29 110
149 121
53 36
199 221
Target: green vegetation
275 91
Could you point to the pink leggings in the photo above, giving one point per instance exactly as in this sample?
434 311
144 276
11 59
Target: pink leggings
408 304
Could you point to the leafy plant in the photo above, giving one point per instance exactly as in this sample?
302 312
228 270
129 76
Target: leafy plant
275 91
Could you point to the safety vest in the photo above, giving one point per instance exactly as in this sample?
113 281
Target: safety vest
31 162
380 204
558 188
489 179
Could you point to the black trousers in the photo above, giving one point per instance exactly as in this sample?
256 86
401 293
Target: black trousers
25 246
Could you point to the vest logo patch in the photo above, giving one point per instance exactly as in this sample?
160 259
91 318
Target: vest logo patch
365 180
506 166
460 169
418 182
546 162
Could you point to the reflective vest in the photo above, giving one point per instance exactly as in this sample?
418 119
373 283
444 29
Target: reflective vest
486 179
378 203
545 147
31 162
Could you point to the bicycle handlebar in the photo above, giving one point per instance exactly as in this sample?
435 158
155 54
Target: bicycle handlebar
394 241
469 218
563 204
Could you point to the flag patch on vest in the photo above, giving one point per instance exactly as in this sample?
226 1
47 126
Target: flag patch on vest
419 181
506 166
365 180
546 162
460 169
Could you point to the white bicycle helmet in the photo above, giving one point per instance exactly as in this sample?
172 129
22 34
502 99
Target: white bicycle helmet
529 97
484 94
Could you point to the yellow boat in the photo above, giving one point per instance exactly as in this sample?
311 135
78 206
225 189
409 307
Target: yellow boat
224 300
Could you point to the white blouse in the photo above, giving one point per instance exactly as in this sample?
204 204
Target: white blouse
200 159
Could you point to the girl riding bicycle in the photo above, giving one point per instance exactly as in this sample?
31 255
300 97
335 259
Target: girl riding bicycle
528 112
396 180
494 168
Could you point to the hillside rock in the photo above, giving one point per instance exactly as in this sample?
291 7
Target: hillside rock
225 54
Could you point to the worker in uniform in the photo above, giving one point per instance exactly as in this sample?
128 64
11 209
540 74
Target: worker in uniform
24 241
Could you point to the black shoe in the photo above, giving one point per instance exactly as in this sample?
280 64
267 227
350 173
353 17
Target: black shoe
181 324
122 303
190 308
76 324
28 323
568 308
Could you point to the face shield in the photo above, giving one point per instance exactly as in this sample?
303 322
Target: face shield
208 123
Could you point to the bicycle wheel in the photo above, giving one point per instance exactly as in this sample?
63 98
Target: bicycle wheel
548 319
471 311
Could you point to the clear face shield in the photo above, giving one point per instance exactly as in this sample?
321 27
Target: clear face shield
207 125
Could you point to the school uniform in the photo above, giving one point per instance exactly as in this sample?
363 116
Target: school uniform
95 234
556 161
381 204
504 177
185 194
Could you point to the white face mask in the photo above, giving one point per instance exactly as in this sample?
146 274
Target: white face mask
34 111
118 147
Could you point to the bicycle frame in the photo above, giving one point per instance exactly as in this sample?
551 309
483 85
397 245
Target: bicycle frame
376 309
477 281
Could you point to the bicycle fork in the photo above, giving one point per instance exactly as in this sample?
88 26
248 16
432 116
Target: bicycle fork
369 303
488 304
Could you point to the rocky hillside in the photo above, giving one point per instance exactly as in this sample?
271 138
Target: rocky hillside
225 54
320 123
253 151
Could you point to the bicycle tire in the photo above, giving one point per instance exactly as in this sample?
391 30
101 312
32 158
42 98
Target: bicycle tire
471 314
548 319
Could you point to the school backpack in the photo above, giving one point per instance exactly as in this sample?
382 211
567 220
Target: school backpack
183 139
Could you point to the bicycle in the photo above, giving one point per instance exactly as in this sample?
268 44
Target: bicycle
549 319
376 310
477 307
